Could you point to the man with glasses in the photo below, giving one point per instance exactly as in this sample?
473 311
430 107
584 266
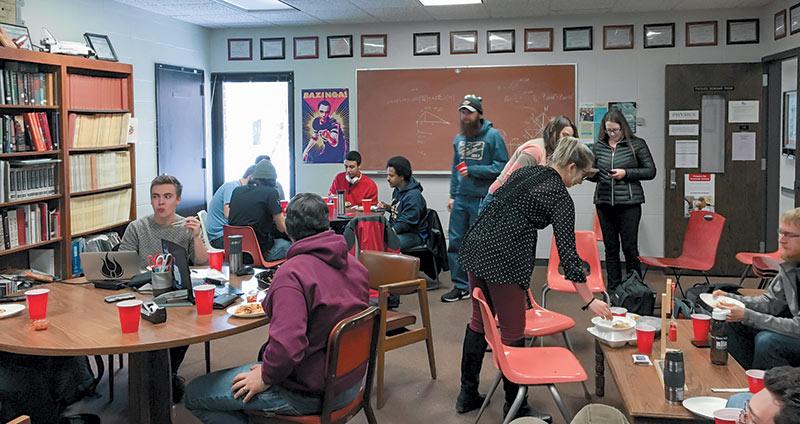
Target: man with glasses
777 403
766 332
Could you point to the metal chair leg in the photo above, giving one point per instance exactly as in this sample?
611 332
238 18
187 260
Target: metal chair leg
545 289
517 403
561 406
208 356
744 274
571 349
489 395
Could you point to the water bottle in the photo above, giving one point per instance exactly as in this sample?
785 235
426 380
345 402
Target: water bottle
674 377
234 253
340 200
719 341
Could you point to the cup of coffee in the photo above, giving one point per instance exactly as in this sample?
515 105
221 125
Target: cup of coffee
618 311
129 315
204 298
755 380
367 204
727 416
645 334
215 257
701 323
37 303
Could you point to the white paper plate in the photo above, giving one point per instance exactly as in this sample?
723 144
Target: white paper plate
609 325
612 338
704 406
11 309
710 301
232 310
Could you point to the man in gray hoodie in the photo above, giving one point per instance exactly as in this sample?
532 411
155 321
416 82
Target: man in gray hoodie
766 332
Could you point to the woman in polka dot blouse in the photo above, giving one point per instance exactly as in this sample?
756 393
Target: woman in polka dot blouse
499 251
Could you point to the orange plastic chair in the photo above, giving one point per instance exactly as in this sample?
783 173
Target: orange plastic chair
586 245
747 259
699 246
249 245
766 268
352 342
528 366
598 232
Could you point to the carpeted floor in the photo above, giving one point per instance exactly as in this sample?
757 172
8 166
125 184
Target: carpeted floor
411 395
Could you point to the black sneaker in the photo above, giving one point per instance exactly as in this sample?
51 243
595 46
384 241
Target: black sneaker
455 295
178 387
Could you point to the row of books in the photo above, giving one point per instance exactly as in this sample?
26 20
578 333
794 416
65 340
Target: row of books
27 179
21 83
32 131
97 93
99 170
98 130
98 243
100 210
28 224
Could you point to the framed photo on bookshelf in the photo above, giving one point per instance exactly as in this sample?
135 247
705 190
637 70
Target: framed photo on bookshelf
373 45
340 46
617 37
306 47
780 24
18 34
794 19
538 39
273 48
240 49
463 42
701 34
659 35
426 44
577 38
500 41
102 47
742 31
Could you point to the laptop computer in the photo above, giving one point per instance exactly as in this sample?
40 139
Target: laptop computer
99 266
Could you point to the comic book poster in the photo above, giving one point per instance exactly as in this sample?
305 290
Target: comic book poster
326 125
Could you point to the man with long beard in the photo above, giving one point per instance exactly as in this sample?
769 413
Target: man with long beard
766 332
479 154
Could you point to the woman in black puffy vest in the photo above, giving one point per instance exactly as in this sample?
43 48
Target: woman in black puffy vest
623 160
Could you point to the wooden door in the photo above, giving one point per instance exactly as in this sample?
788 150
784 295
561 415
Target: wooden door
739 185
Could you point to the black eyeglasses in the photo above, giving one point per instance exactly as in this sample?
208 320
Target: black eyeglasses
613 130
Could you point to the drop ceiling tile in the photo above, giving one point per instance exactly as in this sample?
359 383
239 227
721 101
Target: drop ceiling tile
401 14
469 11
380 4
286 17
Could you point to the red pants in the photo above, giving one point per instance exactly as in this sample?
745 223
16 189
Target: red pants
507 303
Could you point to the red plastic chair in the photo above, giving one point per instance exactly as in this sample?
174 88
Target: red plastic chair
598 232
699 246
766 268
352 342
249 245
586 244
747 259
528 366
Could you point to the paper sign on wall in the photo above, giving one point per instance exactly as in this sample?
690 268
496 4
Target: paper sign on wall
698 192
743 111
686 153
744 146
684 129
684 115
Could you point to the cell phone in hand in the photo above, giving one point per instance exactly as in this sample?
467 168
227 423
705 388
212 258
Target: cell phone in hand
612 172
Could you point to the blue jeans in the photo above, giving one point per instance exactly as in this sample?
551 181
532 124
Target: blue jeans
409 240
463 214
485 202
279 248
209 398
761 349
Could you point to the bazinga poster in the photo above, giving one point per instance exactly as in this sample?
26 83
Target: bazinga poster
326 125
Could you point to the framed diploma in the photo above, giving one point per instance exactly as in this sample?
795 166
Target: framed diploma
240 49
780 24
19 35
617 37
538 39
463 42
373 45
306 47
742 31
500 41
102 47
577 38
426 43
273 48
701 34
340 46
659 35
794 19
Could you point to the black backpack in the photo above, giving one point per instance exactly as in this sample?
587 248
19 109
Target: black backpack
692 295
635 296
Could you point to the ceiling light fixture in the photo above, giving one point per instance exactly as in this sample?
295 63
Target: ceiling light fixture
259 5
449 2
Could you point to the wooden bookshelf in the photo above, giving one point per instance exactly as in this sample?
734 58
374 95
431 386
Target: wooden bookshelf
64 67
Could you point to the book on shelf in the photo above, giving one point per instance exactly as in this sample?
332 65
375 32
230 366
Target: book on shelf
26 224
28 179
97 93
23 83
100 130
99 170
29 132
100 210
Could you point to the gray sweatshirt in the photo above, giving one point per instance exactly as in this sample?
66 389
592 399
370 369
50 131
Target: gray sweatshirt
767 312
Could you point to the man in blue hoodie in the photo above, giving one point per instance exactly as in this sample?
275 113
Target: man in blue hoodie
407 211
479 154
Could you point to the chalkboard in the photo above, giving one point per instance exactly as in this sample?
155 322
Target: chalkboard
414 112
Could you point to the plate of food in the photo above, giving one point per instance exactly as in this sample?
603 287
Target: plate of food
715 302
247 310
617 324
704 406
11 309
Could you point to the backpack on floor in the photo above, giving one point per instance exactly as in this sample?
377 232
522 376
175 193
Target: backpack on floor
635 296
692 295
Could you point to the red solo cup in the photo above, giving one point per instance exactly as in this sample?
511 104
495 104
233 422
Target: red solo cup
618 311
755 380
461 166
129 315
37 303
701 323
215 259
204 298
367 204
644 338
331 210
284 204
727 415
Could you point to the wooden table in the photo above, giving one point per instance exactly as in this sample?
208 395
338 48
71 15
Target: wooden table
82 323
338 224
642 391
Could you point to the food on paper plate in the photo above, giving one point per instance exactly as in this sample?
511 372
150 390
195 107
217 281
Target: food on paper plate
621 324
249 309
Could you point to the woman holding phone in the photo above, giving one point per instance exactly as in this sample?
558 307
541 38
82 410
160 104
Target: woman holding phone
623 161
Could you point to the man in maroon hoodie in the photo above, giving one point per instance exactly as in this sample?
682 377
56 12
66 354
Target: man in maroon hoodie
318 286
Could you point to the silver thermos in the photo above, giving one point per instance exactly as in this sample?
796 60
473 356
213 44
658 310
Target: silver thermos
235 253
674 377
340 200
